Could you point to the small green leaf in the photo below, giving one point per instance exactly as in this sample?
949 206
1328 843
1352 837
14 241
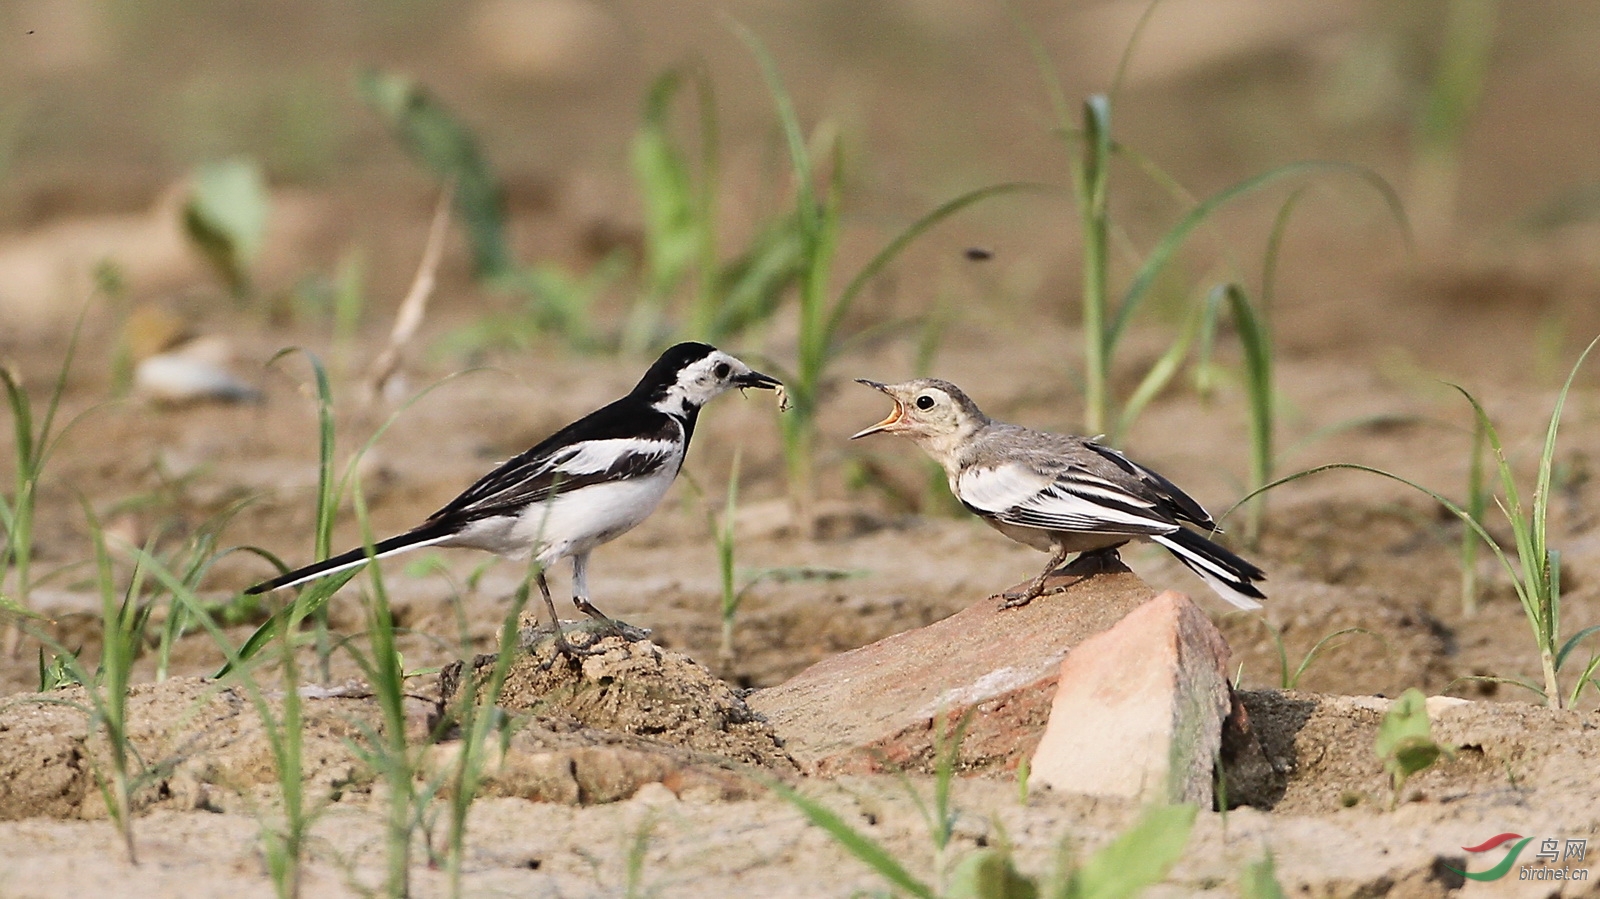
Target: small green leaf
430 132
990 874
1405 738
1260 880
1139 858
226 217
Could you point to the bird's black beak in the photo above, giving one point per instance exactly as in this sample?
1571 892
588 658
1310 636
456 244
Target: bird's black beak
756 379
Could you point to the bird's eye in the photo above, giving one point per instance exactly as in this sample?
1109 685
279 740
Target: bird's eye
925 402
721 371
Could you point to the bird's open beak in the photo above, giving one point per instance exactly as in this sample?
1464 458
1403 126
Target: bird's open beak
756 379
887 423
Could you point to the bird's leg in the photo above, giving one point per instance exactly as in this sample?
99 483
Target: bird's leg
562 646
580 598
580 588
1035 587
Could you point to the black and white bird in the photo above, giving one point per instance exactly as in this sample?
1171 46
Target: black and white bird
1058 493
587 484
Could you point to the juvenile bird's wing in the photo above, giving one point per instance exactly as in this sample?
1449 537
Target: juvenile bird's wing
607 445
1153 486
1069 498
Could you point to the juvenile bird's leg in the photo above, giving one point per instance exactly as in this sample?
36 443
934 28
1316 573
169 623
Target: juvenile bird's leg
1035 587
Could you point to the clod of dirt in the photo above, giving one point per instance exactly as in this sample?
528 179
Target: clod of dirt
1321 748
201 743
627 714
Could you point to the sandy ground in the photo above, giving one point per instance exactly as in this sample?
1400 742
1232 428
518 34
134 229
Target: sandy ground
1368 336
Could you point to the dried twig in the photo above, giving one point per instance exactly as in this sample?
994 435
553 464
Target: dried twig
412 308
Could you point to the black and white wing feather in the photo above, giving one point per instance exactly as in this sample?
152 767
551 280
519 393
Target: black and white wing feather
622 440
1070 499
617 442
1084 487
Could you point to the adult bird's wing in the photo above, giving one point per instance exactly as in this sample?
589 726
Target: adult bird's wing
1069 499
608 445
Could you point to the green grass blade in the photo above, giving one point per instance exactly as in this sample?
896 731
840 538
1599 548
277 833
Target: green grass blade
1293 683
312 599
1455 509
1572 643
433 135
1157 377
863 847
1256 339
1140 857
1169 244
1126 60
916 229
789 120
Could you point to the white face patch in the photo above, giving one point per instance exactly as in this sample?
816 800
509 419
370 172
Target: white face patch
702 381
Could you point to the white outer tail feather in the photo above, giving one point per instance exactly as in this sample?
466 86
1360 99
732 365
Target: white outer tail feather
1217 577
315 575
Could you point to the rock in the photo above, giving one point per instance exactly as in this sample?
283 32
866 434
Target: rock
1138 710
875 707
193 372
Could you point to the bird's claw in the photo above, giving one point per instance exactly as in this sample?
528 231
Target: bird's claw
1018 600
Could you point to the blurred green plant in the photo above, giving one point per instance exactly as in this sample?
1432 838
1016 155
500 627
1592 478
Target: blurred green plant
285 832
386 748
33 442
1536 573
433 136
1260 879
1455 85
681 236
118 768
430 133
1476 505
1091 151
817 217
225 215
1138 858
1405 741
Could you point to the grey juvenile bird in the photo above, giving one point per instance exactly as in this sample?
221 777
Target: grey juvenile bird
1058 493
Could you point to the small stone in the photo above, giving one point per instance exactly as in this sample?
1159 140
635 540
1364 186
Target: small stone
1138 709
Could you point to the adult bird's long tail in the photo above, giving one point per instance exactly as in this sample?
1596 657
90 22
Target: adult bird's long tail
427 535
1231 577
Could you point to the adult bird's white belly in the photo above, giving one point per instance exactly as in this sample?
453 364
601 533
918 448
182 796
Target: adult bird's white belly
570 523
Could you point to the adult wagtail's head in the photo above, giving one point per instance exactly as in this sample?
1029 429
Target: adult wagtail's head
689 375
933 413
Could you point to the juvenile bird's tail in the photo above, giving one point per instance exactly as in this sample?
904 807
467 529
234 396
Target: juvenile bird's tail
423 536
1231 577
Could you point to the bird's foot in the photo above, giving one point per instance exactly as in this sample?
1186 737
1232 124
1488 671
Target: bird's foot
1018 600
565 651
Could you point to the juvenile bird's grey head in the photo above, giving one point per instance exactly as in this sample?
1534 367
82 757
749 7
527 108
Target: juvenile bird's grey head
689 375
933 413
